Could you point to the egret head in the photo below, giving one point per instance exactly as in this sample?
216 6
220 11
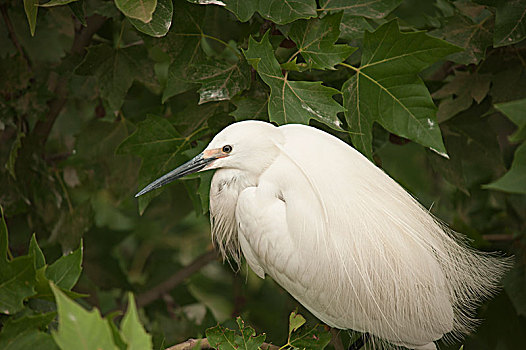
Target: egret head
248 146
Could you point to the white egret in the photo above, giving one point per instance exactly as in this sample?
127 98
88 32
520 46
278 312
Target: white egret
340 235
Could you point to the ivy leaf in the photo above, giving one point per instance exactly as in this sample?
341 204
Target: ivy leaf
510 21
365 8
295 322
473 37
225 339
138 9
17 276
278 11
115 69
315 40
65 272
514 181
161 20
316 338
132 331
515 112
31 8
386 88
220 80
161 148
292 101
458 94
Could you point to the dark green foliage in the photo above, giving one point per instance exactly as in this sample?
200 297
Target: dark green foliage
98 98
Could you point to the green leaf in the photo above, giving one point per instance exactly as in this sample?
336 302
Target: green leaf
131 329
353 27
183 45
17 276
386 88
219 80
279 12
515 284
292 101
115 69
295 322
57 3
138 9
515 112
13 154
316 338
4 240
65 272
36 253
27 331
510 21
77 8
473 37
161 20
458 94
225 339
31 8
161 148
315 40
514 181
251 106
364 8
79 328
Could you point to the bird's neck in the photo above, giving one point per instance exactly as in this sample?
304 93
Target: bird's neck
226 186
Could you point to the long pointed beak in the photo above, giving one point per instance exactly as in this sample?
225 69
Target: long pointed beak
194 165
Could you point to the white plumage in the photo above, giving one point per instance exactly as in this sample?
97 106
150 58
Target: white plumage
340 235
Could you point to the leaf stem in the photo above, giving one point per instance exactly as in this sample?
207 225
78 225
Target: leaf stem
349 66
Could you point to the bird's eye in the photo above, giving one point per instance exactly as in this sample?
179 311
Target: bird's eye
227 149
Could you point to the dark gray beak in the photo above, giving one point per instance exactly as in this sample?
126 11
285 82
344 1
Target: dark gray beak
195 164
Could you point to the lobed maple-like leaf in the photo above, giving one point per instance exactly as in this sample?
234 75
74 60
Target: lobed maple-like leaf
386 88
219 80
79 328
473 37
278 11
226 339
115 69
292 101
315 40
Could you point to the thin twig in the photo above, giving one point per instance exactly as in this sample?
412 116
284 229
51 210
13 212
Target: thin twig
159 290
204 344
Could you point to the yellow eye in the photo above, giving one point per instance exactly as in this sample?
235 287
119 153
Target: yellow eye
227 149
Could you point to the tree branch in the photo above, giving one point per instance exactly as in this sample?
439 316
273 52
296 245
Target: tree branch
203 344
156 292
